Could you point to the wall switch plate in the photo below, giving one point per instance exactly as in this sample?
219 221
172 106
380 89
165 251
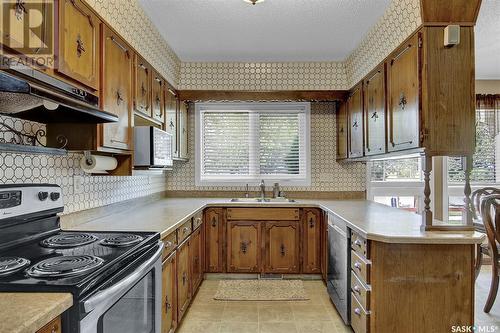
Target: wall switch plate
77 184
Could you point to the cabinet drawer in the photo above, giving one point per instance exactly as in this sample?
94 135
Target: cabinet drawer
52 327
359 244
170 244
184 231
197 220
263 214
359 317
360 267
362 292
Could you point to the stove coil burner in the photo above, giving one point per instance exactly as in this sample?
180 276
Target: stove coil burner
66 241
65 266
121 240
10 265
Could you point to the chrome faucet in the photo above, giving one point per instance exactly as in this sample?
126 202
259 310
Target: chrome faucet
262 189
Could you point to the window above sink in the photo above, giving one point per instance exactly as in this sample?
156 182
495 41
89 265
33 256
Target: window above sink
241 143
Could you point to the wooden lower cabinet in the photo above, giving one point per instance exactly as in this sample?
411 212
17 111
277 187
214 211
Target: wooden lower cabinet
169 300
311 240
195 257
54 326
281 250
243 246
183 279
214 240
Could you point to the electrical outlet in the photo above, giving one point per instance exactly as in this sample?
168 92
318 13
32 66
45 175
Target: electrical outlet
77 184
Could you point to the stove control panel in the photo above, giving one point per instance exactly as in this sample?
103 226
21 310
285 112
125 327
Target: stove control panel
18 200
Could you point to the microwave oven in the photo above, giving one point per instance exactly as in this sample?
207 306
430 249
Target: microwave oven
152 147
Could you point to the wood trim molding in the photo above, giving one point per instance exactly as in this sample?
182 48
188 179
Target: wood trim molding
240 95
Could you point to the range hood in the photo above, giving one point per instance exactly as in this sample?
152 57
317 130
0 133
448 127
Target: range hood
32 95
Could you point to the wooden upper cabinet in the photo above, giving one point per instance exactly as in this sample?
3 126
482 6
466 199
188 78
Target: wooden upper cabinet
171 118
169 299
342 131
78 53
243 247
311 240
16 38
403 96
183 130
282 244
142 82
214 235
355 121
183 279
116 90
158 101
374 90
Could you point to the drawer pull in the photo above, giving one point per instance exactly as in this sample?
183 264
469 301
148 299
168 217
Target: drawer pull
357 265
168 243
282 250
184 278
185 229
243 247
167 304
357 289
357 242
357 311
214 223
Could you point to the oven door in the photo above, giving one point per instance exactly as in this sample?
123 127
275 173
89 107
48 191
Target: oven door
129 302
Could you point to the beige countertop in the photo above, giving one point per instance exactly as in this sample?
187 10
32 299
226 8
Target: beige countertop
372 220
28 312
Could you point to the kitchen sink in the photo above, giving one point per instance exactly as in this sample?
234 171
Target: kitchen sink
265 200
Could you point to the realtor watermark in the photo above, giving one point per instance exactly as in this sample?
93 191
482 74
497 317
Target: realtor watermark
27 34
475 329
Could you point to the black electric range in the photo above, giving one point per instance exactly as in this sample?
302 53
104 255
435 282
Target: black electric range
36 255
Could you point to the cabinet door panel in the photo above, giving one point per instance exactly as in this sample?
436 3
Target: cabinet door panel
374 90
183 279
282 247
311 238
183 130
158 96
243 243
169 300
195 258
214 231
355 116
142 89
171 118
342 131
78 42
116 92
403 92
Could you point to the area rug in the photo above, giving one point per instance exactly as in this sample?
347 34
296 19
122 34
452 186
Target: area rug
261 290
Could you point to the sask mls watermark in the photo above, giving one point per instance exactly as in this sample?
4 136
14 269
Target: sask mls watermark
475 329
27 33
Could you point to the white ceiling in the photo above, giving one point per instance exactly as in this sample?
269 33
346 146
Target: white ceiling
487 39
275 30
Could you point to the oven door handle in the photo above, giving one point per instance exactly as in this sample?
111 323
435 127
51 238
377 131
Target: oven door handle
109 294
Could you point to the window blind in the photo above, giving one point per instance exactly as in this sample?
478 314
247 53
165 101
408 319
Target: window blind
247 144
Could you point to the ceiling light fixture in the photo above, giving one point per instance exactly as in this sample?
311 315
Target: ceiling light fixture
254 2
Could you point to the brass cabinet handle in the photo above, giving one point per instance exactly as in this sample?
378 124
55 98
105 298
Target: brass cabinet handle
357 289
168 244
357 311
358 266
214 222
119 97
402 143
374 116
355 124
185 229
80 47
171 125
158 104
184 278
402 101
143 90
311 223
123 48
167 304
282 250
73 2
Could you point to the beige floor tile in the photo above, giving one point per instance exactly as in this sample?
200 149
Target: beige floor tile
204 312
240 313
275 313
194 326
209 284
310 313
249 304
239 328
317 327
288 327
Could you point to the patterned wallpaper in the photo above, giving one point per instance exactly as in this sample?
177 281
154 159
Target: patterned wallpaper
401 18
340 176
97 190
263 76
129 19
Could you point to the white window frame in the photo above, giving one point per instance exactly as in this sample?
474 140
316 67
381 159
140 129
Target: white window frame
304 107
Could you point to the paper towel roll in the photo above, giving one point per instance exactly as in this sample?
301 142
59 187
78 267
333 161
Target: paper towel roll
98 164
